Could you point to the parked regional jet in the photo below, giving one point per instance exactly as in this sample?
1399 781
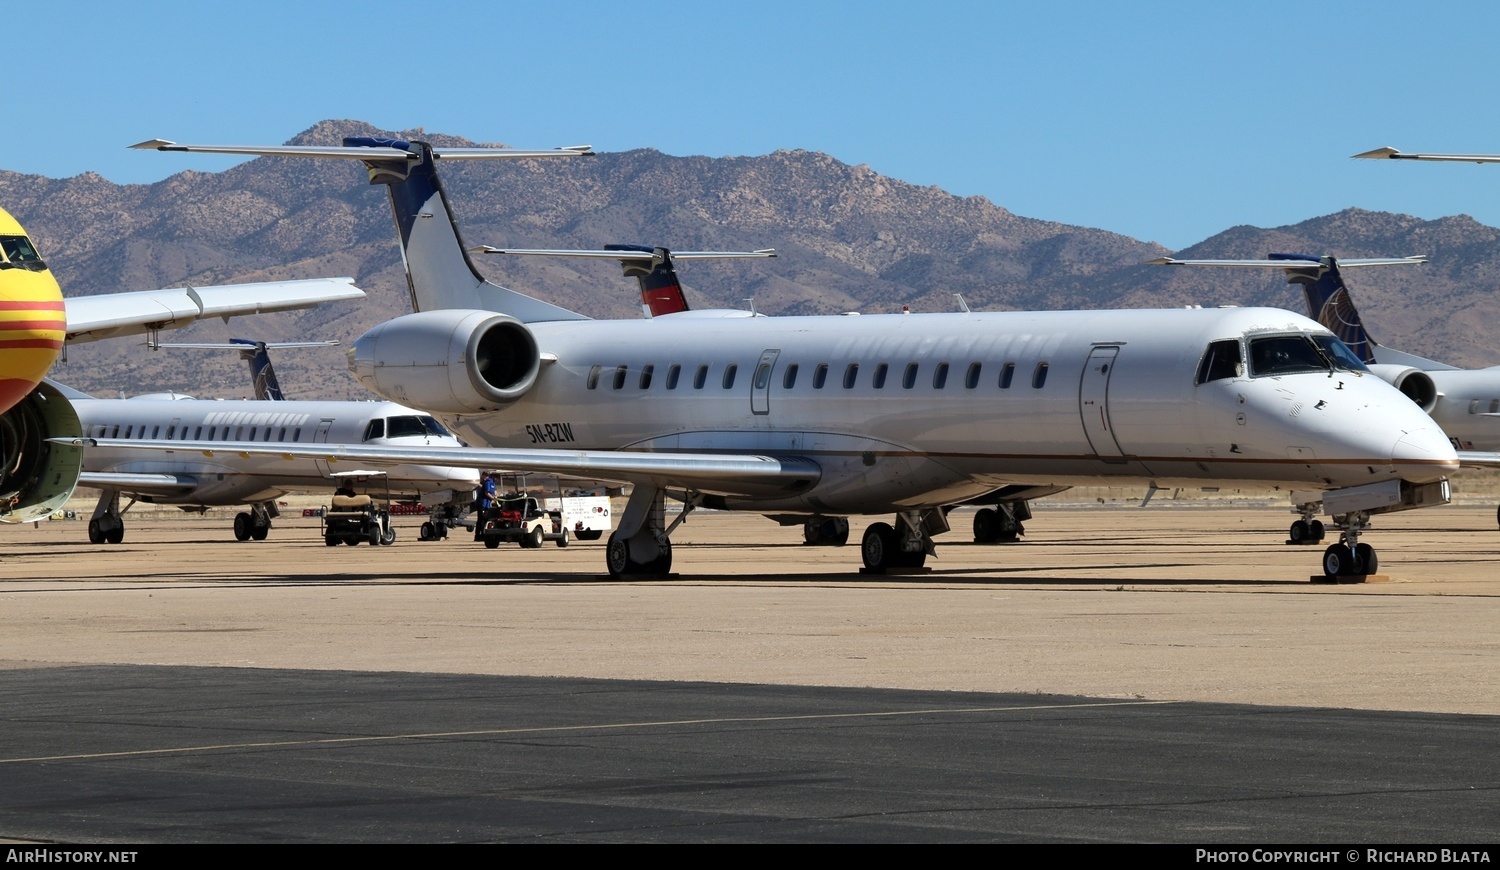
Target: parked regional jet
1464 402
884 414
38 474
194 481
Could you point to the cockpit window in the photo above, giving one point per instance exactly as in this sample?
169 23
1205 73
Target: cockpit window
375 429
1341 355
19 254
1285 355
1222 360
404 427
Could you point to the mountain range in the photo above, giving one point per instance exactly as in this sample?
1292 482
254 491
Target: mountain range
848 239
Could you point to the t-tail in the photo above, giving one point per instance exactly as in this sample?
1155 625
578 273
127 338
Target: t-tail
262 374
661 291
439 273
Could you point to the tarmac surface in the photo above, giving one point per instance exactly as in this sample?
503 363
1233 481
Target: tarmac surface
1124 674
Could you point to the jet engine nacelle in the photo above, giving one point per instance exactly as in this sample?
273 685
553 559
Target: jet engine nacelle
1415 384
38 476
451 361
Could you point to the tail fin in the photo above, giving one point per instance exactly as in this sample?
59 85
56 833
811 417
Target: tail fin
1329 302
262 374
439 273
661 292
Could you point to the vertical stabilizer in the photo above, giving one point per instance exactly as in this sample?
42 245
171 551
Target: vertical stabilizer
262 374
439 273
661 291
1329 302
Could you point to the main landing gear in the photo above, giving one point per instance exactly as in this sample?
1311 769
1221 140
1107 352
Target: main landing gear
1001 524
826 532
1348 557
107 525
255 524
904 546
642 544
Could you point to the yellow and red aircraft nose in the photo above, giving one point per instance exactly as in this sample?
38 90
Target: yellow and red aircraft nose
33 325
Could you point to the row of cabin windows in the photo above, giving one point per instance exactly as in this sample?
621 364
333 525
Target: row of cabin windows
104 430
762 379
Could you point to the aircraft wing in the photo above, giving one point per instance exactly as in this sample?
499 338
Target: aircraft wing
91 318
712 473
1393 154
148 484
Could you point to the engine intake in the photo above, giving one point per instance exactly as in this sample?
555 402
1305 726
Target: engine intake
38 476
1414 383
451 361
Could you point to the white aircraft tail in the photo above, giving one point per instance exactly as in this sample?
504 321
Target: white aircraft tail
439 273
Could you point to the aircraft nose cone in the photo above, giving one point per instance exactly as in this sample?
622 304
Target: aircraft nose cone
1424 455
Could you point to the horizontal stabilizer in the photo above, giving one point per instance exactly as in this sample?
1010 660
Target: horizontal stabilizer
1393 154
396 150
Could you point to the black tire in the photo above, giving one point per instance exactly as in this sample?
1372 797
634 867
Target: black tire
590 534
840 537
986 526
1317 530
1338 561
1300 533
352 540
243 525
96 534
812 532
535 539
388 537
426 534
878 548
115 535
617 556
260 533
331 540
1366 562
563 541
491 543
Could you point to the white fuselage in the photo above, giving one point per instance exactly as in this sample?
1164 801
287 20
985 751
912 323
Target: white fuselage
230 479
1118 402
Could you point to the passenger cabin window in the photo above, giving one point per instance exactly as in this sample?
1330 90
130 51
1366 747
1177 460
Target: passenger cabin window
878 379
593 377
940 376
820 376
971 380
646 373
375 429
909 378
1222 360
851 374
789 379
729 373
673 374
762 376
700 378
620 377
129 429
1006 374
198 434
171 432
1039 377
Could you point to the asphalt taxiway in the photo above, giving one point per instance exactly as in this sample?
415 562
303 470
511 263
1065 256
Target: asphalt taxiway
1125 674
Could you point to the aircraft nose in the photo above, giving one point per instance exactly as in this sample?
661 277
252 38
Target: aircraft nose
1424 455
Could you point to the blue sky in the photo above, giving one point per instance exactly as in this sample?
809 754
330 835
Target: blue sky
1166 121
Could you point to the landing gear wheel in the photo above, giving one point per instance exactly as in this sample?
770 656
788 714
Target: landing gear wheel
617 558
1299 533
115 535
1365 560
563 541
1338 561
879 547
259 533
840 535
1317 530
812 532
986 526
96 534
426 534
242 526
